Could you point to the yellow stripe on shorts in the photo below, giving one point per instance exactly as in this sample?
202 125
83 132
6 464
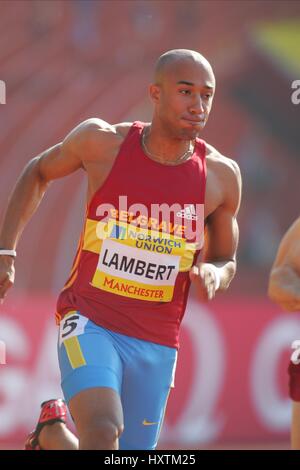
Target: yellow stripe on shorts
74 352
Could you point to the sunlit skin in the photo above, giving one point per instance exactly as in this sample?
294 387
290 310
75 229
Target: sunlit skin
284 289
182 94
284 282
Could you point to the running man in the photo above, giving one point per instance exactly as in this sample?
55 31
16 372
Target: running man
284 289
121 308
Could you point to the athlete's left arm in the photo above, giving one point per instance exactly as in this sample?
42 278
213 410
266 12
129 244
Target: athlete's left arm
218 266
284 282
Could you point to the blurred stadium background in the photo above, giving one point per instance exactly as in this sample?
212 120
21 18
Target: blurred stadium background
65 61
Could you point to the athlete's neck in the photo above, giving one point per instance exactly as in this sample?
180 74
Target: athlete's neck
161 143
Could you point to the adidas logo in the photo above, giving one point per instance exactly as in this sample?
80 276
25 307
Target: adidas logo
188 212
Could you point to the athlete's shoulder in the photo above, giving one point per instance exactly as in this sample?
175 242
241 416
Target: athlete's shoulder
292 235
98 131
95 128
122 128
225 174
224 166
295 228
289 247
95 136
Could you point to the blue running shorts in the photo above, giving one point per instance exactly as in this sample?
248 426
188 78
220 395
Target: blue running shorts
141 372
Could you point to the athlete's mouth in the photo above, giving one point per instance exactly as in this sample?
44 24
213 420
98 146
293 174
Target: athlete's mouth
199 120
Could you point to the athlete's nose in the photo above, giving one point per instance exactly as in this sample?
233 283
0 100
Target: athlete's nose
197 105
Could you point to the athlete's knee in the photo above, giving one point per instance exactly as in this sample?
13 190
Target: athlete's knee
101 433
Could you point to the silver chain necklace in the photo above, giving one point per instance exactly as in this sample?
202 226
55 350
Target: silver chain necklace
179 160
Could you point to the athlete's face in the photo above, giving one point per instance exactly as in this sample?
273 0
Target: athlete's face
183 98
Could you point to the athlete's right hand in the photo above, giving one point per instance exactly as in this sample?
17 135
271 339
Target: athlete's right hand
7 275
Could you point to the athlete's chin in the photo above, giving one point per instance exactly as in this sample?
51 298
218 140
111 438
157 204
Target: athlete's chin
192 129
191 133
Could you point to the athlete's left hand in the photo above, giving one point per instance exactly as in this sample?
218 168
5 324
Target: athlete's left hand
204 279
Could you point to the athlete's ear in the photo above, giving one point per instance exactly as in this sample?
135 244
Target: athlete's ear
154 92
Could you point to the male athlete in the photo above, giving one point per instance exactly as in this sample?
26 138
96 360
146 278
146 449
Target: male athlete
120 310
284 288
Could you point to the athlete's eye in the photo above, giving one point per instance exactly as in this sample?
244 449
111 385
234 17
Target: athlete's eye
185 92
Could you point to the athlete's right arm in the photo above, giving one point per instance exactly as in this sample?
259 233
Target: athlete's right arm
56 162
284 282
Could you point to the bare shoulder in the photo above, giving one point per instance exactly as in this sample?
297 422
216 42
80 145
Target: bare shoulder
122 128
224 167
289 247
294 230
291 239
226 174
94 137
94 129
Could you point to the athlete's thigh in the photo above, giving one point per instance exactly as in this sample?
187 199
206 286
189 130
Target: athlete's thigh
87 357
146 385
